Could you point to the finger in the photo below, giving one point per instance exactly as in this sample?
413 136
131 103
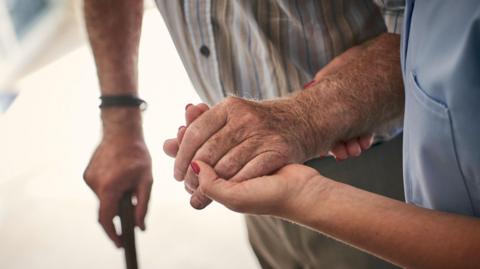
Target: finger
170 147
261 165
108 210
235 159
190 191
365 141
213 149
199 200
194 111
353 148
143 196
191 180
234 195
196 134
339 151
210 184
180 134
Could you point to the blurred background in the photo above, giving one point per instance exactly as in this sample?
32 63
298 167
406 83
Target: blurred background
49 126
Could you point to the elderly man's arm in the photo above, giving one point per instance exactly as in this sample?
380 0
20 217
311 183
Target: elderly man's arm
244 139
121 162
364 95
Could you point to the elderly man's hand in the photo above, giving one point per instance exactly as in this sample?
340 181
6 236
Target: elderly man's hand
171 148
121 163
234 136
341 150
242 139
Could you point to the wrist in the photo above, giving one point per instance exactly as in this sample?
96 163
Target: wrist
301 122
287 118
122 122
312 203
324 119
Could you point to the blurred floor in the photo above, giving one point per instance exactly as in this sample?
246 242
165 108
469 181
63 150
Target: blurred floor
47 213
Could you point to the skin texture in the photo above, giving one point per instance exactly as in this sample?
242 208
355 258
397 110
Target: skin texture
241 138
192 112
121 161
406 235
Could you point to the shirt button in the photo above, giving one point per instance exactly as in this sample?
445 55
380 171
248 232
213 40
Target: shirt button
205 51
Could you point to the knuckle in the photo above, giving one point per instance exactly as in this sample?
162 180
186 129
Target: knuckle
225 168
178 173
193 133
88 176
207 154
250 116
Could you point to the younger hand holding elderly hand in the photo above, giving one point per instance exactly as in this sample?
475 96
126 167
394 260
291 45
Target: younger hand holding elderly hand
341 150
244 139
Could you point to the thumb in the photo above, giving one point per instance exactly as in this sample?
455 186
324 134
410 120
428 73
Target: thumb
211 185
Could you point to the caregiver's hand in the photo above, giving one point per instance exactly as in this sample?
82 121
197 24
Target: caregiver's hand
281 194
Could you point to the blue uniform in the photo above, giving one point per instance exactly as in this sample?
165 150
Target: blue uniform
441 68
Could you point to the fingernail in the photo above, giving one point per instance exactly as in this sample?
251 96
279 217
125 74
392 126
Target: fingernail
306 85
186 107
180 128
195 167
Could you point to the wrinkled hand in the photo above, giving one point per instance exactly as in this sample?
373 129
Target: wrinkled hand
120 164
341 151
241 138
280 194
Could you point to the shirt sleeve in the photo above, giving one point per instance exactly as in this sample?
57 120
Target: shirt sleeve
392 11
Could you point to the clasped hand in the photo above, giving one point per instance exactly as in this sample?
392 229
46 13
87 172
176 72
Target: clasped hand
239 140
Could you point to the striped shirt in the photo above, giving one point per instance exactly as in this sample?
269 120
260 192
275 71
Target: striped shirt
264 49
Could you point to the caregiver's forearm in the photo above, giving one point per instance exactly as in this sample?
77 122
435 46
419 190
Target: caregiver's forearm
403 234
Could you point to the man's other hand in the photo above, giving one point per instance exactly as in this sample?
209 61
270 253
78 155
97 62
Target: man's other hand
121 163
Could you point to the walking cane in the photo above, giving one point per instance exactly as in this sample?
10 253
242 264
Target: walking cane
128 231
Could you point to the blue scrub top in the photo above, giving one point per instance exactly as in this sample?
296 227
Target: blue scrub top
441 69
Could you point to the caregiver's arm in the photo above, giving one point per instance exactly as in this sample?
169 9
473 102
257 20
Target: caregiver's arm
403 234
